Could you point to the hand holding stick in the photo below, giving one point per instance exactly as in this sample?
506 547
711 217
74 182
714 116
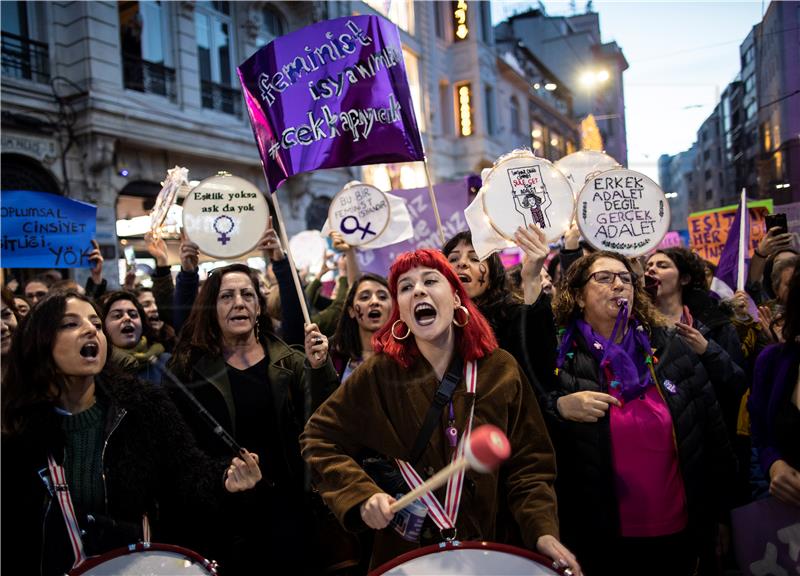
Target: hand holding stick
487 448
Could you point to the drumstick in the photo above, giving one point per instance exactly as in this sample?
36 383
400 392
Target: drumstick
215 426
487 448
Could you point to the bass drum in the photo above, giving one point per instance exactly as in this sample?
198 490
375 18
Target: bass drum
469 559
147 559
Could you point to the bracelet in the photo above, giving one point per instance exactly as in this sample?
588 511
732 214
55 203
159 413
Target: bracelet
759 254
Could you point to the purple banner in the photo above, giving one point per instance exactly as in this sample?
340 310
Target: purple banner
766 538
451 198
332 94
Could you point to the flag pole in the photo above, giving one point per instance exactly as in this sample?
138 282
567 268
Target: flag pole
285 242
433 200
744 250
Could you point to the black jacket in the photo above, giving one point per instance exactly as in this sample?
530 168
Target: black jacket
276 517
585 485
151 465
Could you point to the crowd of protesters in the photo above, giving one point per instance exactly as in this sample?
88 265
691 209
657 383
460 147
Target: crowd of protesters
641 408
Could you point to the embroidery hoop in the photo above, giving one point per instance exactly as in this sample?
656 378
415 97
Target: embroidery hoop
562 200
652 194
349 189
248 227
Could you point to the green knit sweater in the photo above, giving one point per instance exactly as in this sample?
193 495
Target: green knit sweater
84 445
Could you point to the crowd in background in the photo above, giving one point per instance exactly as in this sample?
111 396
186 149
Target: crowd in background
641 407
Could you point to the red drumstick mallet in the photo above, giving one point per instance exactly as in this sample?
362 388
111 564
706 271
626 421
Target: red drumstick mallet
488 447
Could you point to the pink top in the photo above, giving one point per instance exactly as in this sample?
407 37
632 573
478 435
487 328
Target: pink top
650 492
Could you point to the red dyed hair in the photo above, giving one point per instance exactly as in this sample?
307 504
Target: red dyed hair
473 341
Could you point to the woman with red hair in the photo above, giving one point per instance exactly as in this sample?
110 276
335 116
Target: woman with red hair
436 374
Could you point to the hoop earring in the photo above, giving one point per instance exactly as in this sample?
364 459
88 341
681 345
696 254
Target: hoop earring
395 336
466 321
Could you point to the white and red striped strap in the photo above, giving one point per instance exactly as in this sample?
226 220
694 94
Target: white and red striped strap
445 517
61 491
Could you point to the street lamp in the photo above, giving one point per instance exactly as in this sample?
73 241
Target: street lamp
592 78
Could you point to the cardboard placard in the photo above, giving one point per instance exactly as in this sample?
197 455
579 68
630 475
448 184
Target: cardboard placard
360 213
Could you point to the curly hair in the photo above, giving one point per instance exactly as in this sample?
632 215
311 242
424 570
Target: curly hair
201 334
498 298
695 294
475 340
347 339
565 305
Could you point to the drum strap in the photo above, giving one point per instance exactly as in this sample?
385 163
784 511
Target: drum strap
445 516
61 491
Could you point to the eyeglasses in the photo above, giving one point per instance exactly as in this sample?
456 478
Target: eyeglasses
607 277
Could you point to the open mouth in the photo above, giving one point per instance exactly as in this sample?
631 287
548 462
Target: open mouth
90 350
424 314
153 318
621 302
128 329
464 278
240 318
374 314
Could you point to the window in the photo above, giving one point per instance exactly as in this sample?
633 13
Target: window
146 48
272 26
488 101
486 22
445 110
213 30
401 12
752 110
464 109
750 83
537 137
515 129
709 194
24 54
412 72
438 18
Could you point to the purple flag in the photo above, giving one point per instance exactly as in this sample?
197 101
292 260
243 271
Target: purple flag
331 94
730 260
451 198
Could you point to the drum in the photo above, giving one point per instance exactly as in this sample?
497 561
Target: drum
147 559
469 559
522 189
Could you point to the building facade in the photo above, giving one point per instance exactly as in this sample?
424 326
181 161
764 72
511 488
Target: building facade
675 175
752 139
590 69
100 99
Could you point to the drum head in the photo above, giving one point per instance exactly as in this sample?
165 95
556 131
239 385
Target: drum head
360 213
225 215
146 560
523 189
578 166
467 559
623 211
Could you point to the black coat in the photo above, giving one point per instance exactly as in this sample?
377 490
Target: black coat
151 466
277 517
587 501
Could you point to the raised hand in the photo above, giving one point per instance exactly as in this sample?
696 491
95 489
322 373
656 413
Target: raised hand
271 243
190 254
157 248
96 258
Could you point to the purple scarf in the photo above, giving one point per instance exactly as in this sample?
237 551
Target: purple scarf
625 366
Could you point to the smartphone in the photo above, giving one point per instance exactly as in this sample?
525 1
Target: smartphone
776 220
130 256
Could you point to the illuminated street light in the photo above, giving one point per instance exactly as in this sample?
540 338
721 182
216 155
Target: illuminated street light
591 77
550 86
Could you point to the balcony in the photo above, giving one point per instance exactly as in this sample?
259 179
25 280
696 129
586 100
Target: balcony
149 77
221 98
25 58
